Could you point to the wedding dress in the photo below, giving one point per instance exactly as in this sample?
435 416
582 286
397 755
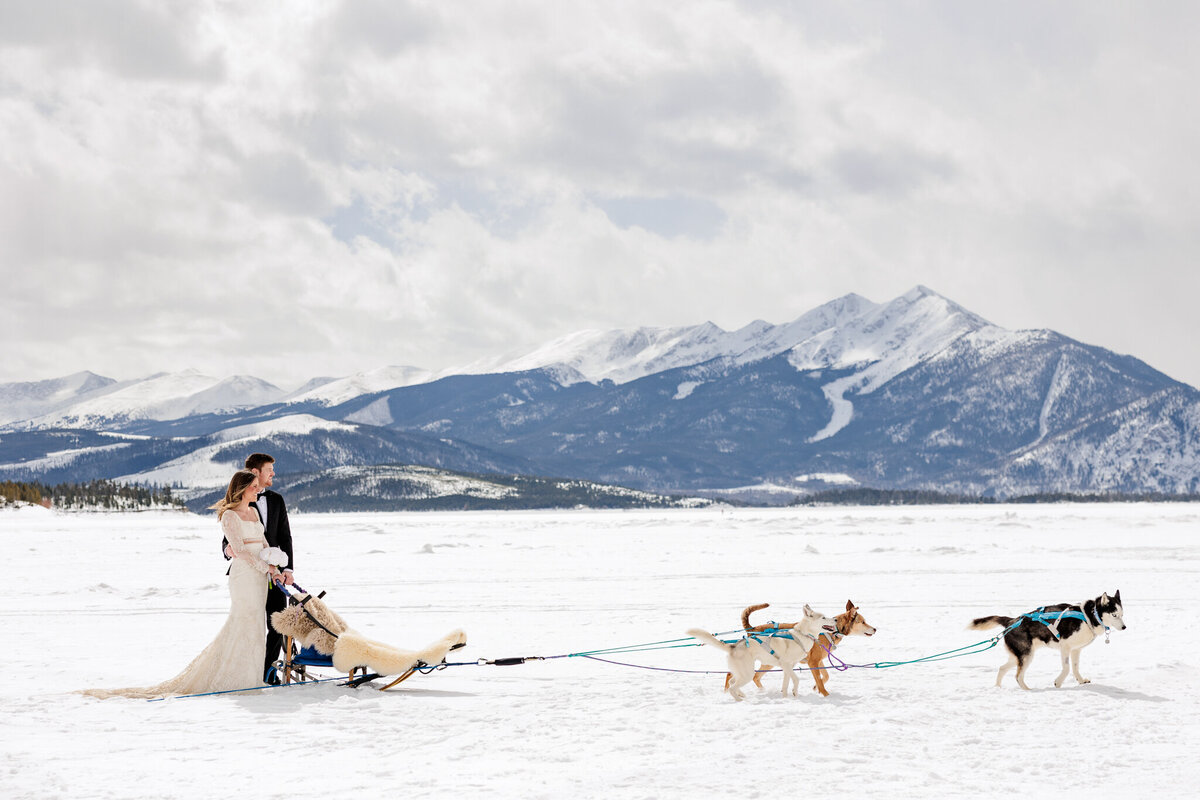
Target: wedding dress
234 660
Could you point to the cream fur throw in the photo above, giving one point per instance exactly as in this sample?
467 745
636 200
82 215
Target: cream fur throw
351 649
355 650
292 621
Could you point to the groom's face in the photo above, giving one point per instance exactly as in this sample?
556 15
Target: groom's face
266 476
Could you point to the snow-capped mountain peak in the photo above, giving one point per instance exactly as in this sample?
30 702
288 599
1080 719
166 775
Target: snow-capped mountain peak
162 396
849 330
23 400
616 355
881 343
624 355
330 392
898 333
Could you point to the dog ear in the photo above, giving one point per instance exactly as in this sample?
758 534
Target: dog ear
808 612
849 605
1104 598
1117 597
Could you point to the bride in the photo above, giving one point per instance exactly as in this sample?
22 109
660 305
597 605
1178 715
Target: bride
234 659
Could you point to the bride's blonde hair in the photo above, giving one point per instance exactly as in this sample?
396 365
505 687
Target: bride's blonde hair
238 484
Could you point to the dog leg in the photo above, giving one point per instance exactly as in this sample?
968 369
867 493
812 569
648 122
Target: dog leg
735 687
820 687
1065 654
757 679
789 677
1005 667
814 666
1022 665
1075 666
740 674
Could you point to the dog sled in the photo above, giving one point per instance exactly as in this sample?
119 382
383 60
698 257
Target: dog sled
316 637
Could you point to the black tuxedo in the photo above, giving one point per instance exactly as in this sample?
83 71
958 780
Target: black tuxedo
278 533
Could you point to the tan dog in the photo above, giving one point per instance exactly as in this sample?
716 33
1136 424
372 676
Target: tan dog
849 623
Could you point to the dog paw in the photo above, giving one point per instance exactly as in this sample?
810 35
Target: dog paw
1085 680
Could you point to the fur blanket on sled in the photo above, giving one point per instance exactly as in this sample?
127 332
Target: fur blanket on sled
350 648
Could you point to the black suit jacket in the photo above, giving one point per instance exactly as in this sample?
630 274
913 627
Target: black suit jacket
278 531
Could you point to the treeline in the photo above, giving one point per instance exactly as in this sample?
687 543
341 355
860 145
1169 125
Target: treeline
1105 497
917 497
91 495
399 487
13 492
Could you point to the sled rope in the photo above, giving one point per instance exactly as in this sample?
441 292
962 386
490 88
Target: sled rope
967 650
669 644
665 669
664 644
247 689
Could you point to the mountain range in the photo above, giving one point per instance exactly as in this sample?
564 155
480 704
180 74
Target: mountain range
915 393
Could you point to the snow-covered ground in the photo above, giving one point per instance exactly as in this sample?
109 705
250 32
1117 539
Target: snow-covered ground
115 600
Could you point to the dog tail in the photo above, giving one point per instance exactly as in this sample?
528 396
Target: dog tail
982 623
750 610
708 638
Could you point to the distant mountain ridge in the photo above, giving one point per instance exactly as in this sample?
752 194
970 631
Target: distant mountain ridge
915 393
22 401
98 403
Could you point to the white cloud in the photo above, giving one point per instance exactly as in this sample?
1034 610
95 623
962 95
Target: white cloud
363 184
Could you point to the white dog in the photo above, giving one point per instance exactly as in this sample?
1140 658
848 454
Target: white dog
784 648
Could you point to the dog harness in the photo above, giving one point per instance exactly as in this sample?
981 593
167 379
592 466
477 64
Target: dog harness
1051 619
768 633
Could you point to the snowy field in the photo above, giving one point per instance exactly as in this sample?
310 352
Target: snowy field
118 600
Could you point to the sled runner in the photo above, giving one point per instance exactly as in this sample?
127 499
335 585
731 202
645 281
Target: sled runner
316 636
296 661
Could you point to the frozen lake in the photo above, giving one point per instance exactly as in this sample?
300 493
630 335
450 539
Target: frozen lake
111 600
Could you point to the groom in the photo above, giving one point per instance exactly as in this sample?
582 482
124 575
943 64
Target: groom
273 513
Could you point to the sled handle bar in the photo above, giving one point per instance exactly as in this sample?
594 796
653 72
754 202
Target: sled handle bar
281 586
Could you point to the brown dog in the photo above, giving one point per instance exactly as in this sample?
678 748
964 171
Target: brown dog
849 623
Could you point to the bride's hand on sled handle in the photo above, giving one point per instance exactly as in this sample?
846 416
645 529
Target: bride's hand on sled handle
288 580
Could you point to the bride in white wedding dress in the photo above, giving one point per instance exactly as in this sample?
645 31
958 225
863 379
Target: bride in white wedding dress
234 660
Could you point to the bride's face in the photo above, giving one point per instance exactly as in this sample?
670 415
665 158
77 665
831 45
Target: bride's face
250 492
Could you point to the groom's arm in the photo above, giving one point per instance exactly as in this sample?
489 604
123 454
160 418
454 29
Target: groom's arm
283 535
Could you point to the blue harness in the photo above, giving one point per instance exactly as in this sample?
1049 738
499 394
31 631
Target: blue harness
1051 619
768 633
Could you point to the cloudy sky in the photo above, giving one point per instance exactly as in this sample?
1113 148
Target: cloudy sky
292 189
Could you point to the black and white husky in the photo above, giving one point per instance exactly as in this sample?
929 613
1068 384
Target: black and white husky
1069 628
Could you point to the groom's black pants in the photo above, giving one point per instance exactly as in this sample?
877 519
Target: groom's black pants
276 601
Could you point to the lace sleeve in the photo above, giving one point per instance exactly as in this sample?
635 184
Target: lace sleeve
232 528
